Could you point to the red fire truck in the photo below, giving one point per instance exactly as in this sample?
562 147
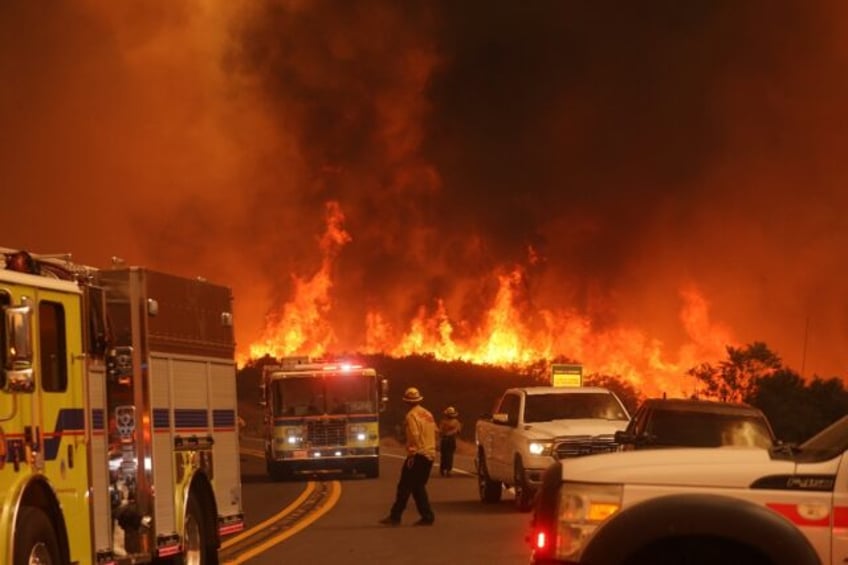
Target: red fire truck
118 421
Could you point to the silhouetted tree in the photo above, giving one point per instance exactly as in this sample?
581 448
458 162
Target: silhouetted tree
735 380
630 397
799 410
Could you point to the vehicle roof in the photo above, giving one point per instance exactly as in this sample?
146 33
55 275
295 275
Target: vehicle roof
531 390
699 405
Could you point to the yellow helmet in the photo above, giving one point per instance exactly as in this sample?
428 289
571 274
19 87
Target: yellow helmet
451 412
412 395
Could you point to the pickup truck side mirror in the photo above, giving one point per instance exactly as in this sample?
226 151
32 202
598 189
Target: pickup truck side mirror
500 418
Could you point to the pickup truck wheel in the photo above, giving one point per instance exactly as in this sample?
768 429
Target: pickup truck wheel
490 491
524 495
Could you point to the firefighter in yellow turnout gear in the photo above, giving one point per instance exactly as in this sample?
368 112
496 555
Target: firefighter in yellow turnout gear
420 429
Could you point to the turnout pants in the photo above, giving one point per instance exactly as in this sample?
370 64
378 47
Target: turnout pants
413 482
447 448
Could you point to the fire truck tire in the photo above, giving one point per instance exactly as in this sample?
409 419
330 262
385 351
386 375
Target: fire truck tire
490 491
198 539
372 469
35 539
278 471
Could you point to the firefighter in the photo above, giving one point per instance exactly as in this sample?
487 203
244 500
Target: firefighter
449 428
420 427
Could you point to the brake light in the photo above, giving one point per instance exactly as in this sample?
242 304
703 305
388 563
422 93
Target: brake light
541 540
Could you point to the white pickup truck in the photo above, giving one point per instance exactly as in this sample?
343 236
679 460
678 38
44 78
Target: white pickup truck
783 505
532 427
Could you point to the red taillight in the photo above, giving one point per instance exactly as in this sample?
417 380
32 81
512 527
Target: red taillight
541 540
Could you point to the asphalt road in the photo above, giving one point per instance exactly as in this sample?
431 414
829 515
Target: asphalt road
466 530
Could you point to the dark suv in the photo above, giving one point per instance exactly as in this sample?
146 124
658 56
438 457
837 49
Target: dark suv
683 422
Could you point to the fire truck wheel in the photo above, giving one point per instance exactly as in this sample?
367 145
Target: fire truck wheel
35 538
198 548
372 469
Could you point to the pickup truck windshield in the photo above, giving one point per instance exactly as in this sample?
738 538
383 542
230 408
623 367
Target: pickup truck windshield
547 407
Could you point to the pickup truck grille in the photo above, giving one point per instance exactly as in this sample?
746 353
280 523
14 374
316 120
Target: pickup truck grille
330 432
576 446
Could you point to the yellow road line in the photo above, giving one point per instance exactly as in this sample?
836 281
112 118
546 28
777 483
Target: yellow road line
310 486
335 494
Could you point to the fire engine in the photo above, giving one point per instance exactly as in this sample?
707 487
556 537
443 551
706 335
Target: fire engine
118 439
321 417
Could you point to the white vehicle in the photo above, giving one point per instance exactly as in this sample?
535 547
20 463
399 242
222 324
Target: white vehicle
533 427
784 505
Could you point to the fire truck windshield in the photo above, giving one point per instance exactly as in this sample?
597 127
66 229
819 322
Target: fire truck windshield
331 393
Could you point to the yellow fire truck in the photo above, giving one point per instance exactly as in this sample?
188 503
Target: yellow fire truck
118 423
321 417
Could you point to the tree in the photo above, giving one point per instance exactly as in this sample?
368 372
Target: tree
630 397
797 410
736 379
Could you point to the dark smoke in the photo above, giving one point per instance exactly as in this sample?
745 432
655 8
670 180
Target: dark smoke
636 147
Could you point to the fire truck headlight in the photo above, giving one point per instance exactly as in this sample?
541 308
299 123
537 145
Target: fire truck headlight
294 436
358 433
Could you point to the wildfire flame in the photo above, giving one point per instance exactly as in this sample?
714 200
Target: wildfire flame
511 333
302 327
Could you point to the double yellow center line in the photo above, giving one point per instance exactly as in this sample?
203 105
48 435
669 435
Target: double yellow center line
324 507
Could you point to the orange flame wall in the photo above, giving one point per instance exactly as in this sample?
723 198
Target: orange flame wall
510 331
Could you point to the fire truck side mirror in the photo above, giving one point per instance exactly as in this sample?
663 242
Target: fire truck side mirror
17 348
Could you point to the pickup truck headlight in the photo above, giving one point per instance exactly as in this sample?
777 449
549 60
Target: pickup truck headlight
540 447
582 507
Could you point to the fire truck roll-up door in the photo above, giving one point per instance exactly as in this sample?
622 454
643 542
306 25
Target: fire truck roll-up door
201 433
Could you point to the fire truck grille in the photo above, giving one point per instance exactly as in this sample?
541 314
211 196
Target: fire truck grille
326 433
584 445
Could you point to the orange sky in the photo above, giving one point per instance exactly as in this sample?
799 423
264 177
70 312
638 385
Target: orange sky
634 175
